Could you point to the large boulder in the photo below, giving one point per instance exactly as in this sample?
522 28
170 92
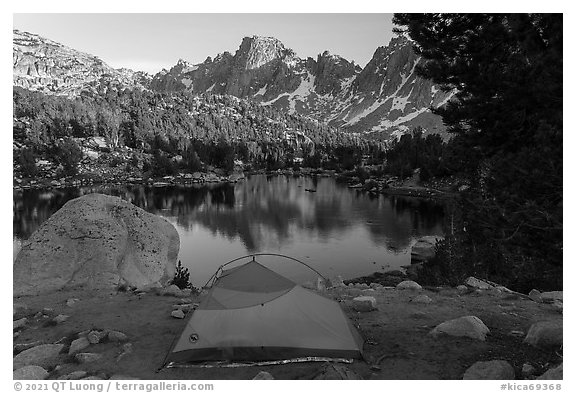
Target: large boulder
493 369
96 241
545 334
424 248
469 326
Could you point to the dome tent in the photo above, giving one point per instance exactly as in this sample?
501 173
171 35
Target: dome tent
253 314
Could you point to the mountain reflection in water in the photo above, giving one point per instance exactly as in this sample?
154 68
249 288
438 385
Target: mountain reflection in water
337 230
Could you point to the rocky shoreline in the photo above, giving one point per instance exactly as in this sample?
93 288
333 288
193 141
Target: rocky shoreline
373 186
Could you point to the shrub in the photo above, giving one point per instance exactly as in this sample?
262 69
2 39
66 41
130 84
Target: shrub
181 277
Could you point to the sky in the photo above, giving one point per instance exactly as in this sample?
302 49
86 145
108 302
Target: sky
150 42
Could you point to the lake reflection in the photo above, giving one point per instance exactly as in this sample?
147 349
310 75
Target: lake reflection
337 230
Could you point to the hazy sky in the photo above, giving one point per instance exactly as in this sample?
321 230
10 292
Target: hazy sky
150 42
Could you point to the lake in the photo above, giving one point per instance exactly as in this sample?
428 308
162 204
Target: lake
336 230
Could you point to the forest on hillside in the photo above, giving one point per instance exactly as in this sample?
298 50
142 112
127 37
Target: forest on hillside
203 129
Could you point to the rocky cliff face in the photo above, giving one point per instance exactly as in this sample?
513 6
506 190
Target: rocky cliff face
386 96
44 65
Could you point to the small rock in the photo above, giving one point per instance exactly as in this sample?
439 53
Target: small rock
178 314
126 350
115 336
528 370
29 372
545 334
47 311
408 284
475 283
423 299
493 369
462 289
535 295
42 355
60 318
39 314
550 297
71 302
78 345
19 323
364 303
368 292
555 373
87 357
184 307
22 347
95 336
172 290
469 326
185 300
74 375
263 375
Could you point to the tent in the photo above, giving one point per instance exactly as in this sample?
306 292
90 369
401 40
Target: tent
253 314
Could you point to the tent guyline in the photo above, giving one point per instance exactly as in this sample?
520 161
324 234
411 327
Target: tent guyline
254 315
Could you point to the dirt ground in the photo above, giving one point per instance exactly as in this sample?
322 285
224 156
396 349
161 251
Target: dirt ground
396 334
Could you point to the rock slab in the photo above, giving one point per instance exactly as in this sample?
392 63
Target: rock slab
96 241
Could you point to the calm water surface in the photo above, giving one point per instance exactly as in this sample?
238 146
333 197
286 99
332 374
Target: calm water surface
337 230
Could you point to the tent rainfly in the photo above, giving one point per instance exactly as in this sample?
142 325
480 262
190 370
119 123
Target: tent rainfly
253 314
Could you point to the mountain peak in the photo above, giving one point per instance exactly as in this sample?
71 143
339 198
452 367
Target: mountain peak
258 51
